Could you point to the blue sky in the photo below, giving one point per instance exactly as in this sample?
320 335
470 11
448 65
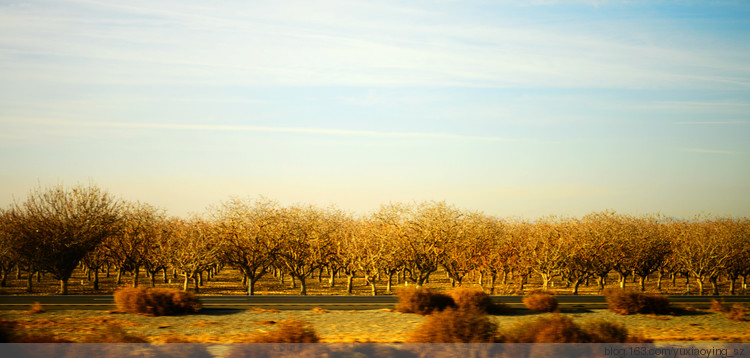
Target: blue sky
514 108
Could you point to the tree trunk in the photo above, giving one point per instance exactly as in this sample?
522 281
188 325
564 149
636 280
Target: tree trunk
303 286
39 276
493 277
658 280
107 272
185 283
153 279
197 282
29 280
481 278
199 277
320 275
118 281
18 272
136 275
576 283
164 273
294 283
4 282
388 284
64 286
623 278
331 278
731 285
714 285
545 280
250 286
349 281
700 285
96 280
373 288
643 283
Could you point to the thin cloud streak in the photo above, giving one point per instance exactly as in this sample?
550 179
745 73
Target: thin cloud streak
708 151
300 130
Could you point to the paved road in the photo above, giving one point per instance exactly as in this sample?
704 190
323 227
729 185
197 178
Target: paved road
91 302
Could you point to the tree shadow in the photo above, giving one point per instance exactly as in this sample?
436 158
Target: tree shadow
220 311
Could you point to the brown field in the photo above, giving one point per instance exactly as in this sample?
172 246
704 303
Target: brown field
331 326
228 282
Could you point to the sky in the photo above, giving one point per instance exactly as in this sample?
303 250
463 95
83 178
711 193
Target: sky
513 108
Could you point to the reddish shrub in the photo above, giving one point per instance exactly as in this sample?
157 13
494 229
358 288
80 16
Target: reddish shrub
288 332
156 302
422 301
738 313
455 326
555 329
629 302
540 302
717 306
601 331
7 330
562 329
477 301
35 308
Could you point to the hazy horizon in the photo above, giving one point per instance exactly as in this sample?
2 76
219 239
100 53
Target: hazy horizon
513 108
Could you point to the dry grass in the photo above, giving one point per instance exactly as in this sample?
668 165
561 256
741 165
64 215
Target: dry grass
156 302
737 313
422 301
629 302
290 331
540 302
455 326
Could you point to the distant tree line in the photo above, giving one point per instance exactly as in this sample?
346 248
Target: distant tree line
56 230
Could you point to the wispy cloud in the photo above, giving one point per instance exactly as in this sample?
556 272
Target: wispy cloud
718 123
269 129
707 151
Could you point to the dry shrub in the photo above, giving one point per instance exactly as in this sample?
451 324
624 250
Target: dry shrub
290 331
476 301
156 301
717 306
540 302
7 330
35 308
455 326
555 329
602 331
422 301
629 302
738 313
562 329
319 310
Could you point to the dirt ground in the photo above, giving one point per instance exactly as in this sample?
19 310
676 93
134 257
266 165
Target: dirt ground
227 326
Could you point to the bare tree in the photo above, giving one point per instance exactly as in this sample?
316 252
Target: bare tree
426 231
56 227
546 242
306 235
7 256
132 245
704 249
193 246
252 232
